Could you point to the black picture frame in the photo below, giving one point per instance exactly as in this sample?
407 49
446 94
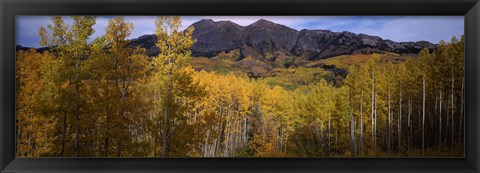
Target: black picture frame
10 8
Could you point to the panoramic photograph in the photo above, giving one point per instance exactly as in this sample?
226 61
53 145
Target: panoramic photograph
240 86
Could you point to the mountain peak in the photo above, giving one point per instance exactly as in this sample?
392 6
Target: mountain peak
215 24
205 21
263 22
264 37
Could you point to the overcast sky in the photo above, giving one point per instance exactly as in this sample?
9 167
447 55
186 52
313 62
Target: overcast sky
396 28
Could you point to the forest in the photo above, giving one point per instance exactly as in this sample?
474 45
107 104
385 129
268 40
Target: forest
105 98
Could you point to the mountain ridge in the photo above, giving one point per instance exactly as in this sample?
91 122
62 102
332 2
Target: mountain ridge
264 38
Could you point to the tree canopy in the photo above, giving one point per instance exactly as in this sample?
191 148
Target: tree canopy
106 98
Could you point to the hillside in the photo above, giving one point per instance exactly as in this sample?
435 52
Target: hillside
262 90
263 46
292 72
270 40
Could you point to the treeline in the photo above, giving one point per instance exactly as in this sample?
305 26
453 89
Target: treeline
108 99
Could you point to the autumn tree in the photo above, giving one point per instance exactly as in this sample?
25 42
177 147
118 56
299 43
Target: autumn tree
35 130
169 74
104 97
72 49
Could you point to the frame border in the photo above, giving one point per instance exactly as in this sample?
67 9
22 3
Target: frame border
10 8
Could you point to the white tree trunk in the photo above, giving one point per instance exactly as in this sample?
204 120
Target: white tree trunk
373 108
329 122
460 124
361 124
352 133
399 123
389 124
409 124
453 112
440 122
423 117
375 123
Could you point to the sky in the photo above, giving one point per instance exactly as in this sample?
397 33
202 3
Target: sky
395 28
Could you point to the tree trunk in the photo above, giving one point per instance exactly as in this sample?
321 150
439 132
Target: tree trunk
423 117
409 123
107 121
205 151
220 131
361 124
440 122
375 124
122 116
77 119
29 148
447 119
227 134
165 121
352 132
399 123
453 112
434 126
389 124
460 124
329 121
106 138
64 134
245 131
19 136
322 146
373 103
373 116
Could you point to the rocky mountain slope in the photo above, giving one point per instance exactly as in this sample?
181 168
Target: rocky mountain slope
264 38
267 39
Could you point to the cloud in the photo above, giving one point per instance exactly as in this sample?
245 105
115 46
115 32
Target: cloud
27 29
396 28
142 25
295 22
412 28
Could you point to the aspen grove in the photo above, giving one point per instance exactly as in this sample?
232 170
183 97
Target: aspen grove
106 98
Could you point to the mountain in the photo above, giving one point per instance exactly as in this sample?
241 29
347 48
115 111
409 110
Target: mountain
270 40
264 38
41 50
320 44
213 37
